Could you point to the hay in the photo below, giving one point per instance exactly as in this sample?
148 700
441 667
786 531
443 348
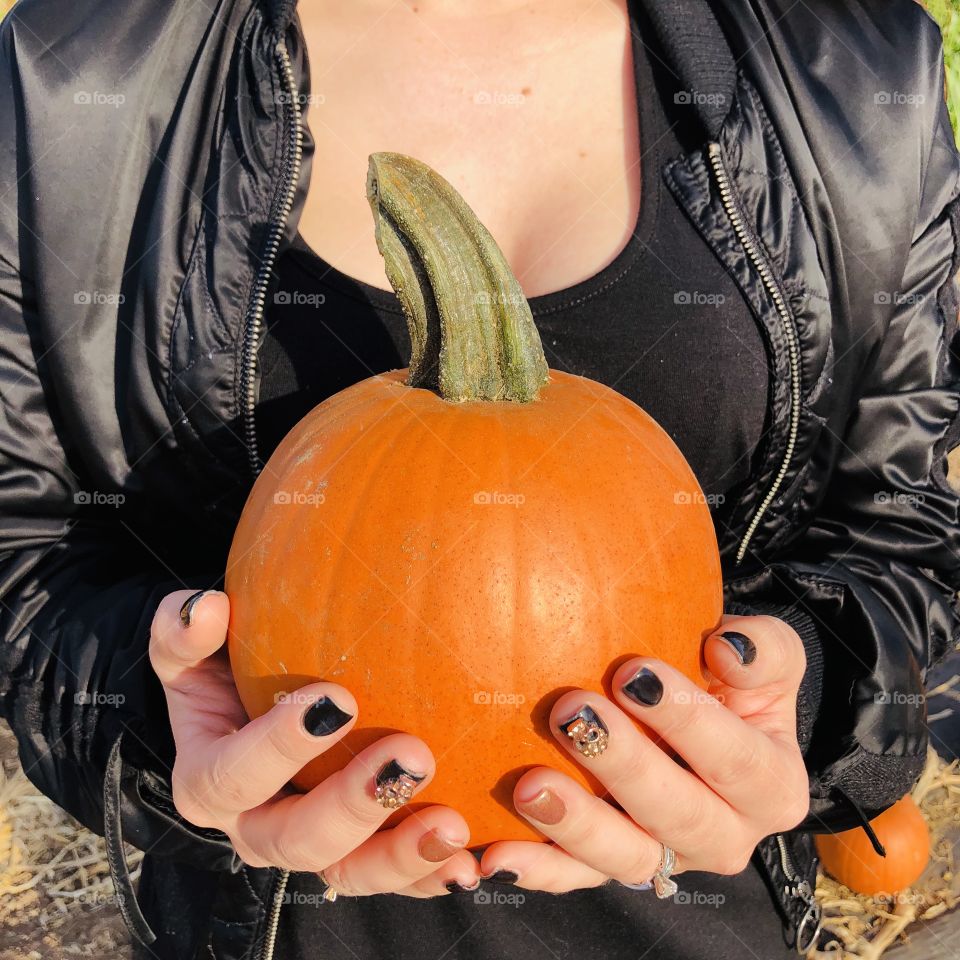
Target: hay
56 896
868 926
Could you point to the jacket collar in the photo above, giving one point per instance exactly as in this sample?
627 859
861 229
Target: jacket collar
692 42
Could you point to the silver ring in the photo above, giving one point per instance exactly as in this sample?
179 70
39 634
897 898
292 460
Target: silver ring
662 884
328 893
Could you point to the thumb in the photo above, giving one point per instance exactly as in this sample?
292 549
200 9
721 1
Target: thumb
188 627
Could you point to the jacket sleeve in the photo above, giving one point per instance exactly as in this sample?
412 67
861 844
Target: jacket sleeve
871 585
78 586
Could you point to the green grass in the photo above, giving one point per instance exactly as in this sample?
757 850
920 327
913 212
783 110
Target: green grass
947 14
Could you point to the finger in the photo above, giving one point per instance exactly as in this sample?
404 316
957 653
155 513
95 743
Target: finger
586 827
748 653
739 762
537 866
672 804
757 665
243 770
392 860
460 874
313 830
188 627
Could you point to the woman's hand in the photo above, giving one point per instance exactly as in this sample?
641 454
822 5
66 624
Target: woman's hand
230 774
744 776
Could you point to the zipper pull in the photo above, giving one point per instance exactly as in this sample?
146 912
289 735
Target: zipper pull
807 929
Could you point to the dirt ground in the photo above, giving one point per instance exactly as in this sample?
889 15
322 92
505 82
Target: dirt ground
55 889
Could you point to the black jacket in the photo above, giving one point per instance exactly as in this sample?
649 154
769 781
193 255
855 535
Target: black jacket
152 164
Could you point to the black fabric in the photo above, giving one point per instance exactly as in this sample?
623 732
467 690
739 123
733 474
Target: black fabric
663 323
711 918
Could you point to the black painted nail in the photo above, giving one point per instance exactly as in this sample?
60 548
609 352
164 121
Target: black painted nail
743 647
189 605
395 785
503 876
455 887
645 688
587 731
324 717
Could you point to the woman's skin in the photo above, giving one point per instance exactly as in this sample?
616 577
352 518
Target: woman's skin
529 110
746 777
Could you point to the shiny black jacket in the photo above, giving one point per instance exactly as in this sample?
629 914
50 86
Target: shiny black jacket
152 164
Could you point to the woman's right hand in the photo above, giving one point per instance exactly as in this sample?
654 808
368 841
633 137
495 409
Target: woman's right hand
231 773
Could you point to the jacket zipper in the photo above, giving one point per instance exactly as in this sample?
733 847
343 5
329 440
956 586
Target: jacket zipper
273 919
752 248
253 323
799 888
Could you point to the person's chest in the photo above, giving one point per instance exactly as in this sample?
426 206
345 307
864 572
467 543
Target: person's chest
532 117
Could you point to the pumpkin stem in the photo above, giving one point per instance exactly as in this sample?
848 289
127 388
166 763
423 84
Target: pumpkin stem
471 330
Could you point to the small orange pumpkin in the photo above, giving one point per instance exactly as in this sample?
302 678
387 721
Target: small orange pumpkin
850 857
453 542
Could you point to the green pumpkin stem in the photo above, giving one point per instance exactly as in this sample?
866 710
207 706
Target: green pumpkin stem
471 330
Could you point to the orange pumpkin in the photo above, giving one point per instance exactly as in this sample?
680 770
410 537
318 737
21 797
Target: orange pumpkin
454 542
850 857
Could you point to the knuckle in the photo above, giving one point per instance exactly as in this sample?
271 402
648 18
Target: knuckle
731 862
188 804
634 767
294 854
744 762
639 868
688 819
224 787
355 812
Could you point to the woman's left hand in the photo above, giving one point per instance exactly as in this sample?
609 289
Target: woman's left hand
744 776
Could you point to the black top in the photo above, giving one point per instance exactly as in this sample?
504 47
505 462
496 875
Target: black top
666 326
663 324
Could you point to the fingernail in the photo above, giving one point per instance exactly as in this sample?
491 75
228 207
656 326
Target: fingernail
743 647
395 785
502 876
324 717
546 807
587 731
645 688
189 605
436 847
455 887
